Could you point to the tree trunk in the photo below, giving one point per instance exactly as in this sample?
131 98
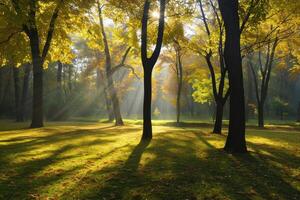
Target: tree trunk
37 104
27 69
179 89
147 125
260 110
108 67
16 74
236 142
149 63
219 118
110 111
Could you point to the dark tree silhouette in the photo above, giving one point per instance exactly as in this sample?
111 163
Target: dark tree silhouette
148 64
236 142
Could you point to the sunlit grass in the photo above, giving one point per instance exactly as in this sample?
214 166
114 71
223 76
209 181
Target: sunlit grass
99 161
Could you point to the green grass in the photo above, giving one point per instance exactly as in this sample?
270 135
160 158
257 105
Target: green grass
99 161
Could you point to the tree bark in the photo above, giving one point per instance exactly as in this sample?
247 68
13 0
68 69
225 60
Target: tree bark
37 105
260 110
236 142
219 118
17 87
147 125
27 69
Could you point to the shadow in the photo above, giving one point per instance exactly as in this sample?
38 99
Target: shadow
31 161
125 176
187 165
102 163
133 160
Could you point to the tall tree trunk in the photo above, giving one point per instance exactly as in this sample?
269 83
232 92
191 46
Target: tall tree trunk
37 105
236 142
17 87
179 88
149 63
108 67
27 69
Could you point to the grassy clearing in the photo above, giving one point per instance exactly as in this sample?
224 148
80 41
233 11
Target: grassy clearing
100 161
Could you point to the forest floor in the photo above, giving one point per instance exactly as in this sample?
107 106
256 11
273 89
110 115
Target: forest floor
99 161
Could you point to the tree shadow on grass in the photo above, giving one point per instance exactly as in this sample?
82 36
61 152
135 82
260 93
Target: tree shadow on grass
25 177
177 164
185 167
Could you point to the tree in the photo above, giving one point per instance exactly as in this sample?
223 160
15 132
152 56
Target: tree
265 72
220 93
236 142
29 17
108 65
149 63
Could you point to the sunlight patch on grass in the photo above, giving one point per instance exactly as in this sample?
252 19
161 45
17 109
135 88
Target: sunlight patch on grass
96 161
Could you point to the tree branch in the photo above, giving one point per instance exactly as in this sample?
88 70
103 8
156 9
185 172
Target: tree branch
51 30
9 37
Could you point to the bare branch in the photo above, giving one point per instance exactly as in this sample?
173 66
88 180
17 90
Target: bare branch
9 37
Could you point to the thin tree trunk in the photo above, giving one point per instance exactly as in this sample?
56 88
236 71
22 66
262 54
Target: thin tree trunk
27 69
108 66
17 87
179 89
235 142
